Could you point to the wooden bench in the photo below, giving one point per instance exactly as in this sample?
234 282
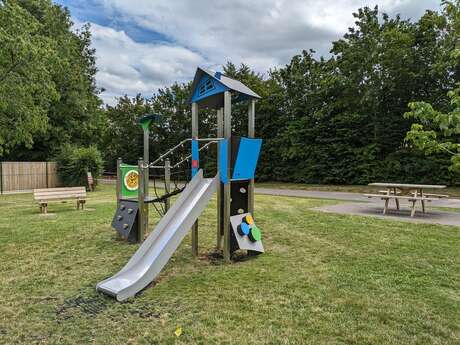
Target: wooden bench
412 199
43 196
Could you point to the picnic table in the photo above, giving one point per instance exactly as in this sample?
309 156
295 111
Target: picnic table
405 191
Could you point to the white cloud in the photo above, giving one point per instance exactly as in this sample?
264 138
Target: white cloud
261 33
128 67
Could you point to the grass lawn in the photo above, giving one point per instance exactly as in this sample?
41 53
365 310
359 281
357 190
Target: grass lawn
324 279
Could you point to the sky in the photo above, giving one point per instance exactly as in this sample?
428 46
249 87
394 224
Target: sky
143 45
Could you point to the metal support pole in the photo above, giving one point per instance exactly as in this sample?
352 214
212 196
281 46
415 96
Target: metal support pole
146 174
220 134
227 189
118 181
167 183
141 203
195 135
251 134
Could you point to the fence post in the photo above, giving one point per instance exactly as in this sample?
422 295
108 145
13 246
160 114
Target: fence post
46 174
167 183
1 177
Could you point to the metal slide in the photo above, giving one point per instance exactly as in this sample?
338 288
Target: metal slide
160 245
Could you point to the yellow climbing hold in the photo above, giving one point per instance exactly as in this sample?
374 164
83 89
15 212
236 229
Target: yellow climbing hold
249 219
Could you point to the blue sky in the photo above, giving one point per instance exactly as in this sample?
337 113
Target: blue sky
142 45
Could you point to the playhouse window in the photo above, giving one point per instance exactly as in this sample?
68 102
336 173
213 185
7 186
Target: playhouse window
206 86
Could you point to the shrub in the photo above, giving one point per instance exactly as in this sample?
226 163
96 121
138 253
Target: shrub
74 163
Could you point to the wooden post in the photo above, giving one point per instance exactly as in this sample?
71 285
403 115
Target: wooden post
227 186
195 135
251 134
220 134
167 183
119 182
141 202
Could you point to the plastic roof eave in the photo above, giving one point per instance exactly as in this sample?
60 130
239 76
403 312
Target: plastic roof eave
217 100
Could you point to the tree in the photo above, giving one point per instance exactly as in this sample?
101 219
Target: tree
438 131
343 114
49 86
123 134
27 89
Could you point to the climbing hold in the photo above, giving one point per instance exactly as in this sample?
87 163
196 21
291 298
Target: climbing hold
122 207
255 234
243 229
125 226
130 210
120 218
248 219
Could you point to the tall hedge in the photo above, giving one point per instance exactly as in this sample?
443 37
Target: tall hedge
74 162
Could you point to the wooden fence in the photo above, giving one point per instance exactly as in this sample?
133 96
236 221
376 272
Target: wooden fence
25 176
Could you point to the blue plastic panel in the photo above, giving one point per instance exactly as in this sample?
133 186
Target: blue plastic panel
195 157
223 161
246 160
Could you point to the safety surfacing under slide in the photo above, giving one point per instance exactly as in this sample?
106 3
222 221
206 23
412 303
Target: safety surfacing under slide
160 245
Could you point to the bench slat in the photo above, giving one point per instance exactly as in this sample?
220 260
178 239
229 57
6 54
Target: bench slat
44 200
439 196
392 196
59 193
58 189
67 195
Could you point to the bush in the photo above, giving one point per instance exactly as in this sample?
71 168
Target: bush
74 163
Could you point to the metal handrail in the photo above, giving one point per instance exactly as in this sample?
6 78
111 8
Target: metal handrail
159 159
190 156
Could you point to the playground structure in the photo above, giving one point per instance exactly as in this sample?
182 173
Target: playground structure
234 183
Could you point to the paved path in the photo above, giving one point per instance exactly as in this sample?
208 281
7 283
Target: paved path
374 210
359 205
452 203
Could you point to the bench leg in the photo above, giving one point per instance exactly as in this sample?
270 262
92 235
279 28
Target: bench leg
80 203
423 205
397 204
412 213
385 208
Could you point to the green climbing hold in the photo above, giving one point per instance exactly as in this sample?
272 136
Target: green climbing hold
255 234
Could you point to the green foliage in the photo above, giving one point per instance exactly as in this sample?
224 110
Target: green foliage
323 120
339 120
27 88
123 134
47 87
74 163
438 131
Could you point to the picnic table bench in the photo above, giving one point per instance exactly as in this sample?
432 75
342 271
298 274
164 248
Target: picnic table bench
405 191
45 195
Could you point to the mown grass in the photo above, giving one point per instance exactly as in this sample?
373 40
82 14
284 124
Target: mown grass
324 279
